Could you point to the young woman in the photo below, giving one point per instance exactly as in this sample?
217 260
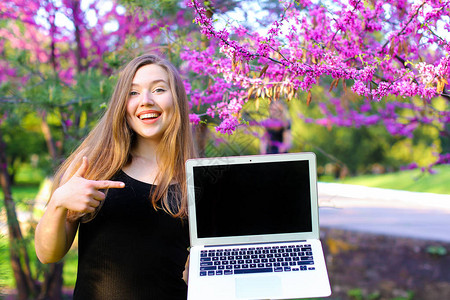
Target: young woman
124 190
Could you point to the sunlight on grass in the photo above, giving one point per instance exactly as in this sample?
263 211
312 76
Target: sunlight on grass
411 180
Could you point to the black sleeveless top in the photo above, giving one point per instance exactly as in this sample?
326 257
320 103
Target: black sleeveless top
131 251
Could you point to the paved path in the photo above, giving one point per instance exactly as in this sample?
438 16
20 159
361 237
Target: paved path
384 211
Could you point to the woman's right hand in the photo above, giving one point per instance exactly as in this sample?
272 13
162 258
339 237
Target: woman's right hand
54 232
82 195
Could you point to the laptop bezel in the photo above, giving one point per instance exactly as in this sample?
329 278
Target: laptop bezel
252 239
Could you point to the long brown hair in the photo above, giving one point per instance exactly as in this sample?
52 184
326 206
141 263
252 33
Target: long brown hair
108 145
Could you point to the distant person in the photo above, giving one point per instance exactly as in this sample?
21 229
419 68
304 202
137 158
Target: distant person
277 137
124 190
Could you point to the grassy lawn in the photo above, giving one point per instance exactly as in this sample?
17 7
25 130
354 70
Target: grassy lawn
411 180
23 196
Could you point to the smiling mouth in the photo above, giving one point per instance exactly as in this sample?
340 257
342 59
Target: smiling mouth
149 116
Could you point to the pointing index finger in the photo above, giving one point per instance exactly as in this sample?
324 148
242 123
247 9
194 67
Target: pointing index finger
109 184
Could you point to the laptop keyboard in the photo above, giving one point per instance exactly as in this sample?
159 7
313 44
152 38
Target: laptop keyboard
292 258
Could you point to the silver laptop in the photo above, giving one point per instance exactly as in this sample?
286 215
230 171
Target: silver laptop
254 228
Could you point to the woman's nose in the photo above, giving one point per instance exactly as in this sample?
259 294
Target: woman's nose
147 99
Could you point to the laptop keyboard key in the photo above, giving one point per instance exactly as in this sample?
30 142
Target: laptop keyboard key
306 258
255 270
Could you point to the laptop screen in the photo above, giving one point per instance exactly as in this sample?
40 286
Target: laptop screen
252 199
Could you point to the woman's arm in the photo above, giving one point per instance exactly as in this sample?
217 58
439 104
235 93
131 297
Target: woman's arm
55 233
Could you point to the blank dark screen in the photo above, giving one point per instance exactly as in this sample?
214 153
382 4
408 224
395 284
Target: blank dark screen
252 199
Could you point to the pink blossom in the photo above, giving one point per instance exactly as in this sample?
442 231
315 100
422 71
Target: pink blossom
228 126
194 118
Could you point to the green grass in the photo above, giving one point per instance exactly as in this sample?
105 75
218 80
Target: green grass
6 275
29 175
23 196
411 180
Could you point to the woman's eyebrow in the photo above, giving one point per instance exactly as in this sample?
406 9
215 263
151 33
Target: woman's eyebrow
151 83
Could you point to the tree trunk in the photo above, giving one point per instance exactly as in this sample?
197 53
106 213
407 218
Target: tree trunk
20 262
201 134
77 23
52 286
48 136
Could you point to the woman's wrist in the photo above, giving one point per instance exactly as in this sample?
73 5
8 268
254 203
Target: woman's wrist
56 204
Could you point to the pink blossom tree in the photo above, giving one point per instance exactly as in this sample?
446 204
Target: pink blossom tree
393 55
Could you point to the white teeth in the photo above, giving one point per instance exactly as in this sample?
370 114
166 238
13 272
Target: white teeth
149 116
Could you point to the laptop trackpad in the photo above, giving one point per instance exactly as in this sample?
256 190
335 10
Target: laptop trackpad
258 287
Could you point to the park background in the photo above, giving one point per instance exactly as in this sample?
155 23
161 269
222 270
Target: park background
60 60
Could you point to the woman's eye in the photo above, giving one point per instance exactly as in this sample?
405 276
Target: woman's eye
133 93
159 90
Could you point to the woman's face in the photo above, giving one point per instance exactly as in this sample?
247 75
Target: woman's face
150 104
